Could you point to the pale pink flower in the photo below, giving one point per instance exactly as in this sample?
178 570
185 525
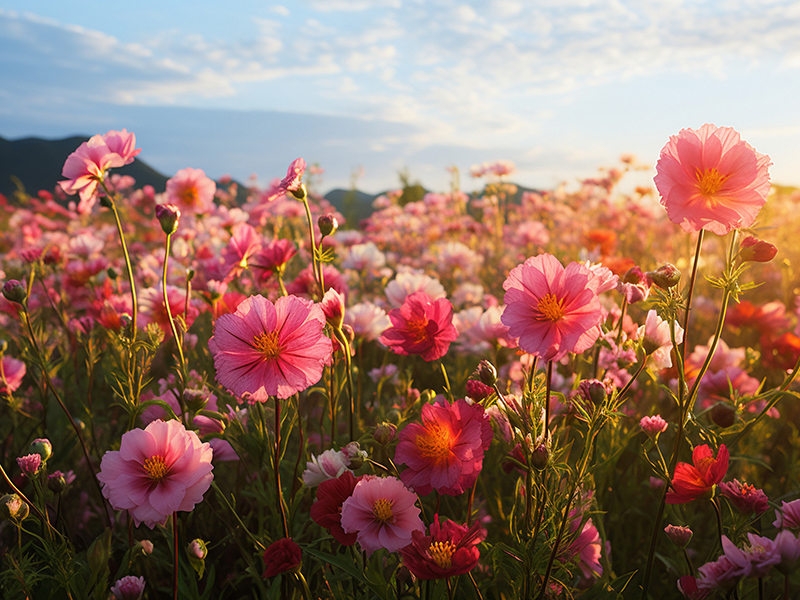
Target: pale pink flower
408 282
656 339
191 191
86 168
328 465
368 320
129 587
552 310
266 349
291 183
382 513
711 179
123 144
158 470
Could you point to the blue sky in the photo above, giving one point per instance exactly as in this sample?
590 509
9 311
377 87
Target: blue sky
559 87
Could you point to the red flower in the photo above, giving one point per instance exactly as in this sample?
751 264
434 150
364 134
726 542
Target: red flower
746 498
444 452
422 326
282 556
698 479
327 508
449 549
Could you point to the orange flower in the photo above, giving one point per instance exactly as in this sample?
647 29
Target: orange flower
698 479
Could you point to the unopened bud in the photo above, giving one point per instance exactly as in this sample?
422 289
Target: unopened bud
14 508
168 216
14 291
678 535
755 250
540 457
197 549
723 414
665 276
384 432
327 225
42 447
487 373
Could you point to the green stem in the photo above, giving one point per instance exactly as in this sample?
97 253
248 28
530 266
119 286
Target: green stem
128 267
236 516
277 466
179 345
175 555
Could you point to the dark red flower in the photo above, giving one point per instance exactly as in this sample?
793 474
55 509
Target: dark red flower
449 549
698 479
745 497
282 556
327 508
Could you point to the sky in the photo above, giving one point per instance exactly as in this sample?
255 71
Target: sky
372 88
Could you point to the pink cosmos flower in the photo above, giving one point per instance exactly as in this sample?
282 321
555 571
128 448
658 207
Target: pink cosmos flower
157 470
12 371
87 166
271 258
788 515
656 340
711 179
552 310
129 587
191 191
266 349
30 464
654 425
328 465
383 514
422 326
449 549
745 497
445 451
244 243
291 183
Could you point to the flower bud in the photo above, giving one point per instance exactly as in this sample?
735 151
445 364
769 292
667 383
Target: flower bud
355 455
653 426
14 291
593 390
487 373
327 225
678 535
723 414
168 216
197 549
14 508
56 482
42 447
665 276
146 546
755 250
540 457
384 432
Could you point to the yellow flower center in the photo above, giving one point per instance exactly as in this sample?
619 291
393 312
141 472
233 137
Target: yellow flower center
155 467
435 443
382 510
269 344
189 196
442 553
710 181
550 308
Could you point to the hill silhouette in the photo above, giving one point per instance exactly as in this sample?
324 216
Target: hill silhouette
36 163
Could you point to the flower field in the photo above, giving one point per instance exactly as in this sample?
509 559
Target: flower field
582 392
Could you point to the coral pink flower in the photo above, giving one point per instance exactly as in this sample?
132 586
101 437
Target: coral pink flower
157 471
449 549
327 508
266 349
282 556
382 513
86 168
698 479
123 144
552 310
421 326
191 191
711 179
291 183
445 451
272 258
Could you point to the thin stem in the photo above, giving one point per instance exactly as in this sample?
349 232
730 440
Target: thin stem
548 383
128 267
175 555
236 516
277 466
172 325
690 292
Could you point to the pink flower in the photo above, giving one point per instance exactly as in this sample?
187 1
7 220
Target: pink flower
328 465
449 549
421 326
445 451
652 426
550 309
383 514
86 168
787 545
657 341
710 179
744 497
158 470
129 587
245 242
271 258
788 515
30 464
291 183
12 371
191 191
266 349
123 144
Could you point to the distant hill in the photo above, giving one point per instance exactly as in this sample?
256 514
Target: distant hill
37 164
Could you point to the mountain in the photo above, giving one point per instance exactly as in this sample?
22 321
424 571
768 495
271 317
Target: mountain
37 164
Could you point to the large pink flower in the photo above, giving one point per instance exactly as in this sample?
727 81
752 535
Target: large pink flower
421 326
382 513
711 179
191 191
552 310
266 349
445 451
157 471
87 166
